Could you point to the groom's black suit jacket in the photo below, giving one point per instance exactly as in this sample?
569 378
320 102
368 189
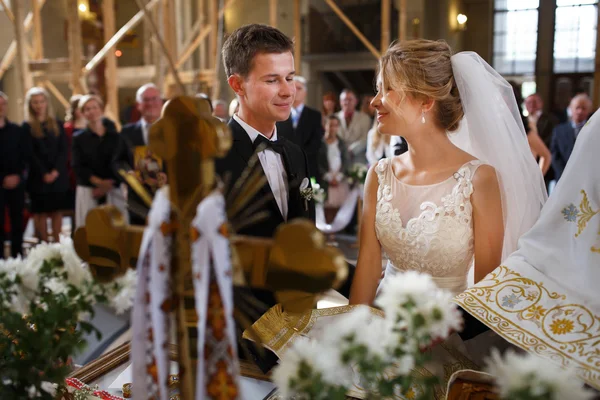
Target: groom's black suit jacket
296 166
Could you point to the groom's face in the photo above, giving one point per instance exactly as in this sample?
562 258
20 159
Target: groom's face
269 90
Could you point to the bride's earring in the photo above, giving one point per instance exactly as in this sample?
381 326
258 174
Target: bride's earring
422 117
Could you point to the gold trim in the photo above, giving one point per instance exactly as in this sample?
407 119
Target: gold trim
482 301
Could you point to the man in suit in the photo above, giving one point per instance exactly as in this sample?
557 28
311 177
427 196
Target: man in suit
544 122
135 135
355 124
565 135
259 65
304 127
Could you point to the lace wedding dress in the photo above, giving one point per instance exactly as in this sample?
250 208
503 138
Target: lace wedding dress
429 229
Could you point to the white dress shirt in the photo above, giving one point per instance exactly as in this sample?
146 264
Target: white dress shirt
296 113
272 165
145 129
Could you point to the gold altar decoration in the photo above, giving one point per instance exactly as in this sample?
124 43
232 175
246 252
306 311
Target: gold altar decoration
296 263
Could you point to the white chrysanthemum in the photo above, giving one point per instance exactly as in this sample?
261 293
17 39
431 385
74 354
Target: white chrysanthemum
11 267
49 388
77 271
372 331
35 260
439 315
121 300
323 359
518 372
56 286
401 288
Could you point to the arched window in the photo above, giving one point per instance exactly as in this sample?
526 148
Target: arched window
575 35
515 36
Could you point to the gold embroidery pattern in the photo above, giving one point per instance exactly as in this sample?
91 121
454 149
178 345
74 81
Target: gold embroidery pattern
527 314
582 216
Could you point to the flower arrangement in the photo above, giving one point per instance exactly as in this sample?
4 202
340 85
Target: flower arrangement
529 377
45 300
383 355
357 174
311 190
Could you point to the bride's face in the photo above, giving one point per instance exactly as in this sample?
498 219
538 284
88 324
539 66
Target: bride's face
397 114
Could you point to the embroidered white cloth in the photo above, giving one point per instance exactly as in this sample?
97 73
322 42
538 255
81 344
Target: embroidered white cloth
210 256
544 297
151 310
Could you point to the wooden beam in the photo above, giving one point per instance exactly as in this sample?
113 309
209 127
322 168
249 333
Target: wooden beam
132 23
187 33
8 11
75 47
297 37
147 49
187 46
143 7
38 41
110 72
59 96
386 7
48 66
158 59
402 20
25 80
353 28
596 94
214 35
11 52
202 63
169 36
273 13
204 32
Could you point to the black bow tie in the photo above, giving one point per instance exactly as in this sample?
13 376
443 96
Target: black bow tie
261 141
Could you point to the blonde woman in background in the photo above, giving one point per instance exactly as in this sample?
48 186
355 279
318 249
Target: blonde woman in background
378 145
48 180
95 152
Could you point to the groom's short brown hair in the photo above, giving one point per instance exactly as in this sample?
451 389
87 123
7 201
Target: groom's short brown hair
246 42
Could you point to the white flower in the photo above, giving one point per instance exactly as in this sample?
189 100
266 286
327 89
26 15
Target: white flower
518 372
411 294
121 300
77 271
322 359
11 267
56 286
49 388
32 392
367 329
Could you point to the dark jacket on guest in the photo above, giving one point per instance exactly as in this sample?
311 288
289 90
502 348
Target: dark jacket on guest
308 135
133 136
46 154
563 141
324 161
13 150
95 155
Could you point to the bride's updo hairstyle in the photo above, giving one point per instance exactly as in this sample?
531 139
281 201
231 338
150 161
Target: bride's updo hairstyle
422 69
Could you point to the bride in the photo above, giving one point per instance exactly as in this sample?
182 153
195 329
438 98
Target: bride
468 187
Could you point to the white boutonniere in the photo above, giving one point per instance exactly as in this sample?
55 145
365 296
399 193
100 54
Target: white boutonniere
306 192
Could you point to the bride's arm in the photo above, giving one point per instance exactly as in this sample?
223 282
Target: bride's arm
368 267
488 224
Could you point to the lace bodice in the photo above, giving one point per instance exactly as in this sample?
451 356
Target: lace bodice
427 228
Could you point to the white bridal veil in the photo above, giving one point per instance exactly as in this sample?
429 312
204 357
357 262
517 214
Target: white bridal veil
492 130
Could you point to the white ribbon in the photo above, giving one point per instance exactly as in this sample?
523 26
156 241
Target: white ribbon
212 249
343 216
150 340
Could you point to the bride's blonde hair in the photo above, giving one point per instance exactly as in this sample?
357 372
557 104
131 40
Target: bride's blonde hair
422 69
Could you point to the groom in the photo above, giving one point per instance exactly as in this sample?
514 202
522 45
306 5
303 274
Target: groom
259 64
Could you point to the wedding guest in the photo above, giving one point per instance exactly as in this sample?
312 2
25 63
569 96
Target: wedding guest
355 124
94 152
304 127
333 164
329 106
565 135
135 137
220 110
544 124
13 161
367 108
74 122
48 180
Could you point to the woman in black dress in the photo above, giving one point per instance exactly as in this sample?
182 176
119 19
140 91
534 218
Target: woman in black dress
95 155
48 180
